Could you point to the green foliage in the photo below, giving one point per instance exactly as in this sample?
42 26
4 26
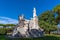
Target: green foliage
2 31
5 30
10 24
47 21
7 25
57 8
4 25
1 24
46 37
8 30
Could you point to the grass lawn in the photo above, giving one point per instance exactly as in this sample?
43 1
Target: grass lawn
46 37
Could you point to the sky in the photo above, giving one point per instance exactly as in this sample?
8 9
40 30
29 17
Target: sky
13 8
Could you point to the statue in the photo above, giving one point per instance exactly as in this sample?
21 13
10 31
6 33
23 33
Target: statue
28 28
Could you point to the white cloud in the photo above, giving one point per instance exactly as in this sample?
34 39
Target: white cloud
6 20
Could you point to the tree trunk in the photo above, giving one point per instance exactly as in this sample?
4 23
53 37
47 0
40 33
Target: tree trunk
49 32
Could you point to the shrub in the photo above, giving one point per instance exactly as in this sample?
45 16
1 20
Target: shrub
2 31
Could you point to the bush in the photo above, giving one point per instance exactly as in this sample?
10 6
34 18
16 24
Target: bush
8 30
5 30
2 31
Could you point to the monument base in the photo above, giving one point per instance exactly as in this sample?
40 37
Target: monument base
29 34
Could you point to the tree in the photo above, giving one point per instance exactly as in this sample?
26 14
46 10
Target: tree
57 10
47 21
4 25
10 24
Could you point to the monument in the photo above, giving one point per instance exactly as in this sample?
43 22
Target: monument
28 28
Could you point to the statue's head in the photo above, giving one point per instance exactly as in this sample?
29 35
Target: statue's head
21 17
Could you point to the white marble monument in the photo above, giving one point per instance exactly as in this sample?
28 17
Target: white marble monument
28 28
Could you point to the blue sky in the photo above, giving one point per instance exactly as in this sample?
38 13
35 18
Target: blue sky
13 8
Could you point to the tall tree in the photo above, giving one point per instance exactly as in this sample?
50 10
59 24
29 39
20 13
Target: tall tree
47 21
57 10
